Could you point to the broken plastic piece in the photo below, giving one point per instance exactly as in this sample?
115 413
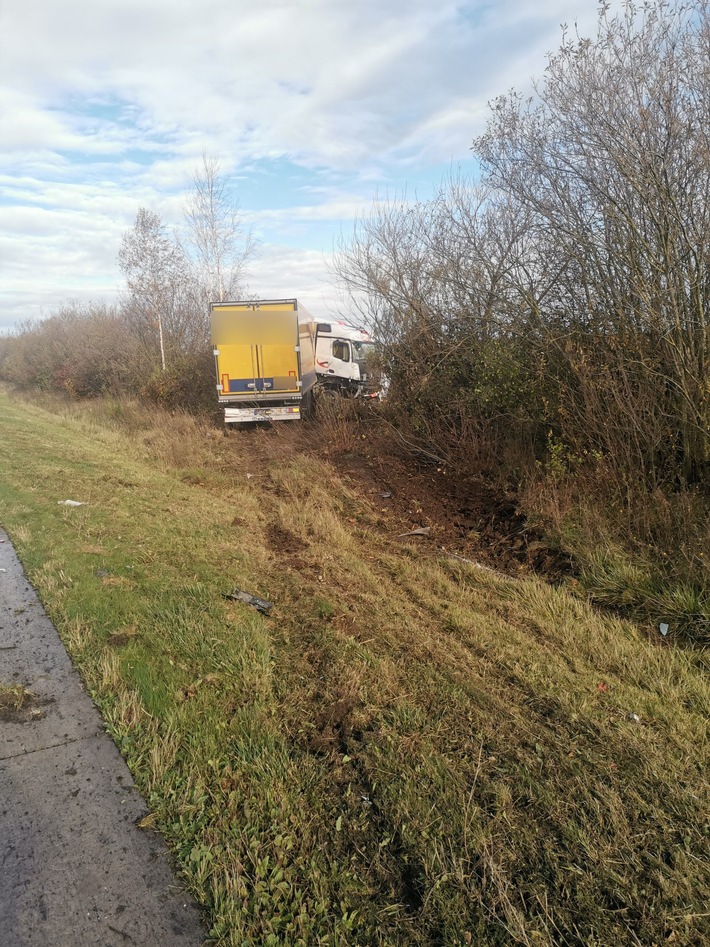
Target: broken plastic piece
634 717
70 503
386 495
472 562
663 628
260 604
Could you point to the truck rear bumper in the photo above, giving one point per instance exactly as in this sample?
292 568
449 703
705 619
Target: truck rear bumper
275 413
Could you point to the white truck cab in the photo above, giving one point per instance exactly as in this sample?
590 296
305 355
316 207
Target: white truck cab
342 355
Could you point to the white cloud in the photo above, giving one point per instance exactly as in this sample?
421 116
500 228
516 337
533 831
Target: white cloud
281 272
104 106
327 81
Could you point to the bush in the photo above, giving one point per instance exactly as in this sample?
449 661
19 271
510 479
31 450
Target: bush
88 350
187 383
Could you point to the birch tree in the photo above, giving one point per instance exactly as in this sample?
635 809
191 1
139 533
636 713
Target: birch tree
218 242
155 272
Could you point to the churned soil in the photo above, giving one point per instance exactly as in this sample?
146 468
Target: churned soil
466 516
19 705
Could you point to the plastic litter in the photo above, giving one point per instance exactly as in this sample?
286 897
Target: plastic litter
422 531
634 717
260 604
70 503
472 562
386 495
663 628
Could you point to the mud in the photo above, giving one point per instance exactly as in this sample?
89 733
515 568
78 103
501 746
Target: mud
283 541
469 517
25 708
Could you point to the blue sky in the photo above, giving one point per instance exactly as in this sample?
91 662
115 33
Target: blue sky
314 108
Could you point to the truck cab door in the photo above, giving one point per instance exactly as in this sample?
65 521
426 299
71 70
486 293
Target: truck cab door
342 361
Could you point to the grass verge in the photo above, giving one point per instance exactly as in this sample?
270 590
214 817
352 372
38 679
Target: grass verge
408 751
644 554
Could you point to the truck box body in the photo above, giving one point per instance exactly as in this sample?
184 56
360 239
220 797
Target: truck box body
265 358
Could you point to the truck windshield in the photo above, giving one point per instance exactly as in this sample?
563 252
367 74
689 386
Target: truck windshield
361 350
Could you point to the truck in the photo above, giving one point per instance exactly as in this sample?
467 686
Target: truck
344 358
264 352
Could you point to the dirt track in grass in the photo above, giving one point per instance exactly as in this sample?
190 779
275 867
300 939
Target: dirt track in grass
467 517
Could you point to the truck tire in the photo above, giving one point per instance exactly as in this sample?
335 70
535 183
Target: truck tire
308 406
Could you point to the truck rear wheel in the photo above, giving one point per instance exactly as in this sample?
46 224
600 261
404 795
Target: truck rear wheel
308 406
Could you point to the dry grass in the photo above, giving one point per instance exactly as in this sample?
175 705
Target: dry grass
645 554
409 750
13 697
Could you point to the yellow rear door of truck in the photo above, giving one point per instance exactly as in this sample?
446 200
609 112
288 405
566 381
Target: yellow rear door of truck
257 349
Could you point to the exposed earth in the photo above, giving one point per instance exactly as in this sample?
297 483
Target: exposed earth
466 517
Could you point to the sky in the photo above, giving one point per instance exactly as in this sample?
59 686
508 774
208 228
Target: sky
314 109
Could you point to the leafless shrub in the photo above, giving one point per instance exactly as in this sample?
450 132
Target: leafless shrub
566 296
442 283
610 162
81 350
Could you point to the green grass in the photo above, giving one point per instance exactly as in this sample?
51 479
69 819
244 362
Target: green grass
645 556
13 697
408 751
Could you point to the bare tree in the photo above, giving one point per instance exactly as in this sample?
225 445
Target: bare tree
581 263
611 162
442 282
217 240
447 270
156 277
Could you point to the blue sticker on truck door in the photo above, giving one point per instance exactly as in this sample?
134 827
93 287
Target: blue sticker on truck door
250 384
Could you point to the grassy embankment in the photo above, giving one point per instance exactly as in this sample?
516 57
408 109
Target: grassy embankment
408 751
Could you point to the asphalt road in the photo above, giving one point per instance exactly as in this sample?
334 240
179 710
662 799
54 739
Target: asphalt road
75 871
